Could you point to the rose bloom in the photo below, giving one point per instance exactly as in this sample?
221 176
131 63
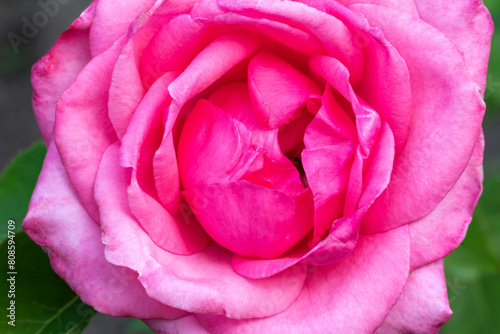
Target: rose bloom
262 166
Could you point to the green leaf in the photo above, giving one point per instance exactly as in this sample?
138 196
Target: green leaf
473 270
136 326
44 303
492 93
17 183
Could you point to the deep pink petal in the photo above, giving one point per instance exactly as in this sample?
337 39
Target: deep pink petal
335 247
423 306
330 142
177 280
291 135
251 220
275 176
82 127
212 146
440 143
185 325
437 234
57 220
112 20
468 25
56 71
352 296
234 99
277 89
343 234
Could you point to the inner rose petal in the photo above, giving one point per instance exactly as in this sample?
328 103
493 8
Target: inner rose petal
277 89
252 220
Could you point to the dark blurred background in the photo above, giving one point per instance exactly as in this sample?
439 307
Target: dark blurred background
473 271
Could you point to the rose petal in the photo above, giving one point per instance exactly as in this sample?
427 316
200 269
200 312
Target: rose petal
343 234
469 25
56 71
234 99
139 146
173 47
211 147
173 233
332 32
82 128
177 280
339 298
407 6
277 89
57 220
423 306
440 143
437 234
185 325
385 84
208 65
126 90
289 37
113 18
335 247
251 220
330 141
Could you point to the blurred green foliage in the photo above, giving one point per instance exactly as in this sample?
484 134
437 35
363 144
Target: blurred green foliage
44 303
492 94
473 270
17 183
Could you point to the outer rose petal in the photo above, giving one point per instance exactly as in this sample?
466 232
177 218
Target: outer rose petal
129 82
446 120
407 6
437 234
112 19
423 306
352 296
198 283
142 139
185 325
163 223
469 25
82 129
56 219
56 71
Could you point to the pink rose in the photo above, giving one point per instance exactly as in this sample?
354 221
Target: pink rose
262 166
